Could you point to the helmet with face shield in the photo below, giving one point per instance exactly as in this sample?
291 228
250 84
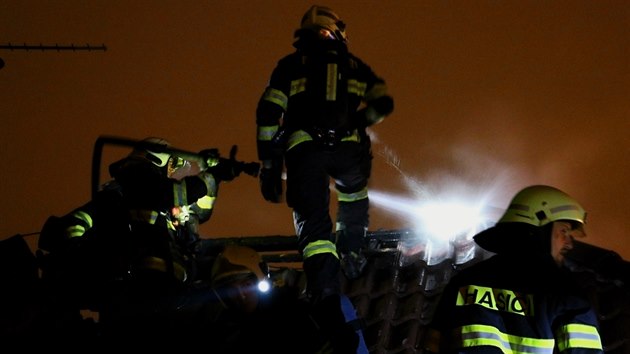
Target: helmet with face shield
154 150
157 151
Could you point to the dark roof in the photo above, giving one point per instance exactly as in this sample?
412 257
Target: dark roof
397 294
402 282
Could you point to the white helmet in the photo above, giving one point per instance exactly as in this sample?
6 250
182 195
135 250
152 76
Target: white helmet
324 21
153 154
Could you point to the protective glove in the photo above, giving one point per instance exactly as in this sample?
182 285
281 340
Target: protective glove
227 169
210 157
271 181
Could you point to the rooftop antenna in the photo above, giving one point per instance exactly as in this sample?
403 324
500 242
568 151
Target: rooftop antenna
57 47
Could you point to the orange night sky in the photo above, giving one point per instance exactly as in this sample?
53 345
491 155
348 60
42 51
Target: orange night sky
490 96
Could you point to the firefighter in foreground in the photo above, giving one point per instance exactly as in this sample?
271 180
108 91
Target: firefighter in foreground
121 253
521 300
313 117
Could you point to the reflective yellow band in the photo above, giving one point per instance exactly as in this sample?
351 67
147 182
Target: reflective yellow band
85 217
206 202
578 336
319 247
483 335
496 299
297 86
266 133
276 96
75 231
298 136
356 87
79 230
169 225
352 137
352 197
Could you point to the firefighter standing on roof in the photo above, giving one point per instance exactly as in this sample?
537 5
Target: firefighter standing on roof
314 114
310 111
521 300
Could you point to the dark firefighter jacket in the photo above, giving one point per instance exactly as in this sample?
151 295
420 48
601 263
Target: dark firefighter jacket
319 88
149 196
513 303
128 224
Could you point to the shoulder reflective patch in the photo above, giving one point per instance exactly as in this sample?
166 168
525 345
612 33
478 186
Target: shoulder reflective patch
297 86
496 299
356 87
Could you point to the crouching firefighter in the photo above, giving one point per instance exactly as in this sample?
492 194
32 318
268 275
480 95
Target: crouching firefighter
132 216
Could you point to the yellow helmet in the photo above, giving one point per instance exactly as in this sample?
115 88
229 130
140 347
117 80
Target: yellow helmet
530 209
235 261
540 205
154 155
325 21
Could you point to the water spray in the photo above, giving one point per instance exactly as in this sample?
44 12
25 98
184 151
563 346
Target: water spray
444 213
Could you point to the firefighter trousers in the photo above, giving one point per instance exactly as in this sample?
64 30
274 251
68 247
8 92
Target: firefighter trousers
310 168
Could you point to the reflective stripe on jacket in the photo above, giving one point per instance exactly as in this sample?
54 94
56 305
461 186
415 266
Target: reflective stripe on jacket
513 304
286 100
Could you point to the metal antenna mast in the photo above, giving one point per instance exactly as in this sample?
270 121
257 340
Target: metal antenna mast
57 47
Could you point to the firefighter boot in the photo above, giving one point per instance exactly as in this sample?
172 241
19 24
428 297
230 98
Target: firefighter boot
350 242
353 261
322 276
353 264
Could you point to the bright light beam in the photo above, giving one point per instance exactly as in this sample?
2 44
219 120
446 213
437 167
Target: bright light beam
438 218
